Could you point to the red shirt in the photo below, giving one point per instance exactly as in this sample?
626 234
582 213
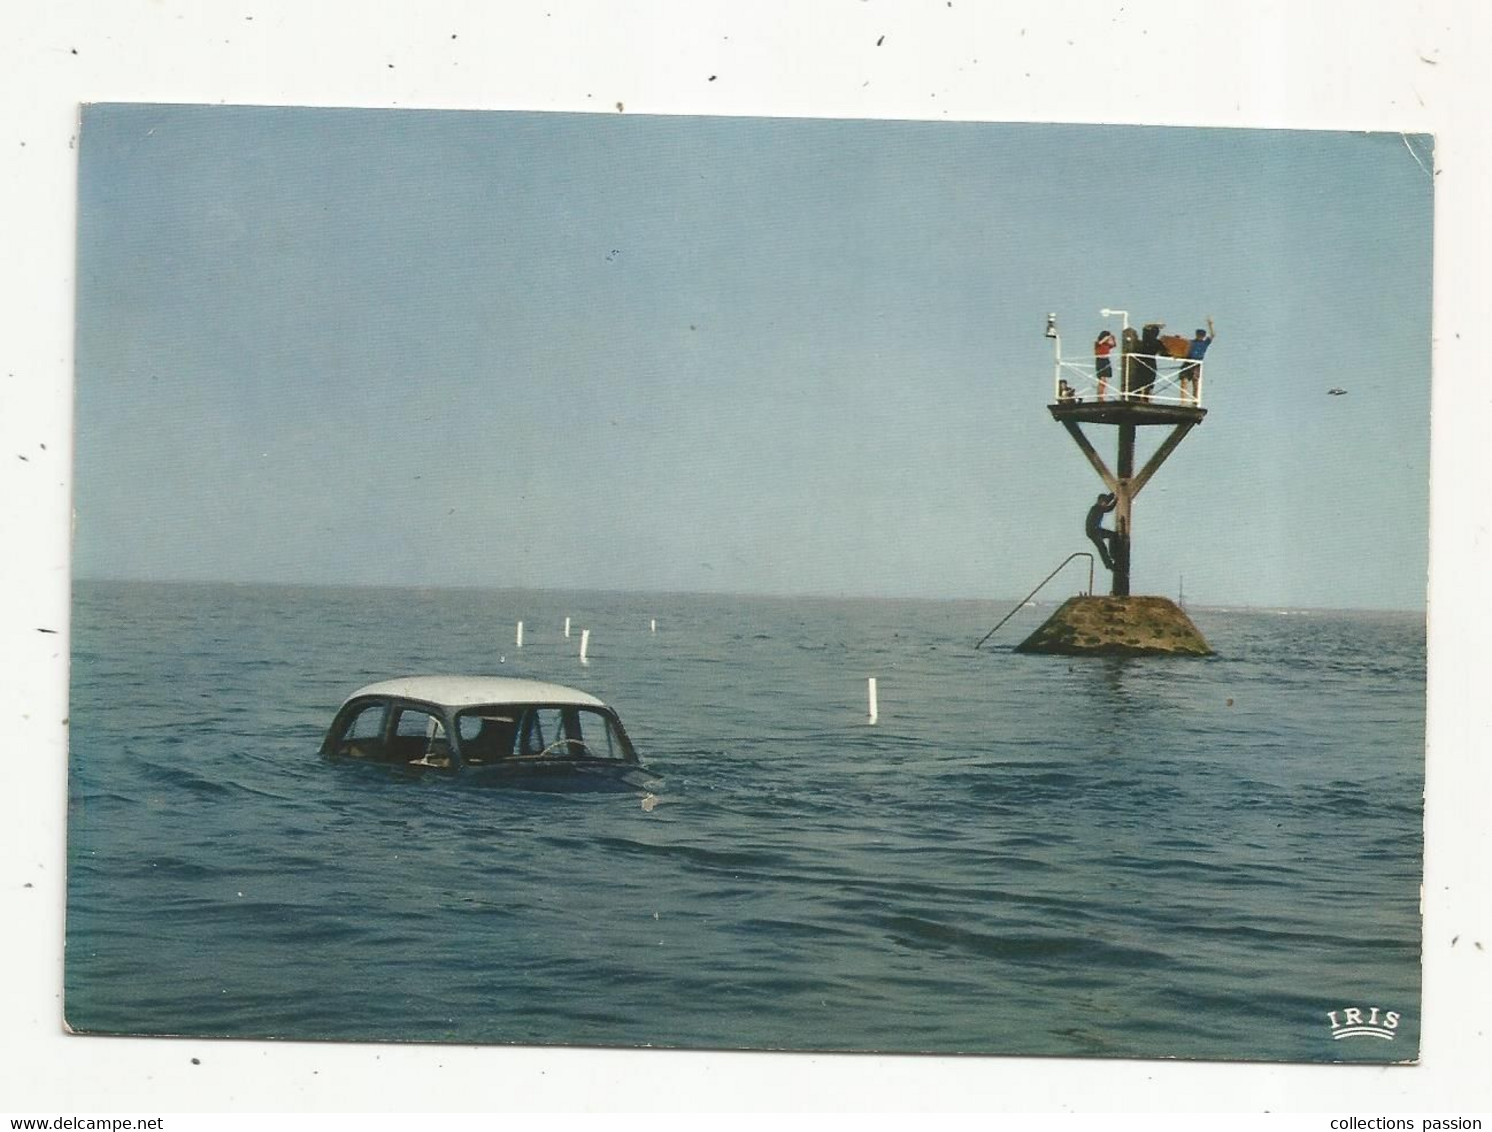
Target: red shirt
1104 345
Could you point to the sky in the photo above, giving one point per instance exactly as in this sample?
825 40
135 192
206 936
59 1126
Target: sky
785 356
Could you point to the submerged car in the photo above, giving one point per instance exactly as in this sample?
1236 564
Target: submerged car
485 726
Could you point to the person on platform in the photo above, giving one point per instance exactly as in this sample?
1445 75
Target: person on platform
1101 536
1131 347
1103 346
1191 372
1150 349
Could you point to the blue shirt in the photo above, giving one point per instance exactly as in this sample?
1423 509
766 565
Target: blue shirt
1198 349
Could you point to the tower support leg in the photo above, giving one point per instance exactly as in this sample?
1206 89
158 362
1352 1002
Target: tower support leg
1125 485
1123 510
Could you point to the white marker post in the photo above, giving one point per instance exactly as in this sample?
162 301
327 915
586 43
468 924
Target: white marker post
567 626
585 643
653 625
871 689
518 637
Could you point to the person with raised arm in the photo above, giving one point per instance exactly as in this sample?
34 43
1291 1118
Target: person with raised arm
1191 372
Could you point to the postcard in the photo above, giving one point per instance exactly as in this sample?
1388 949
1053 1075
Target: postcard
749 583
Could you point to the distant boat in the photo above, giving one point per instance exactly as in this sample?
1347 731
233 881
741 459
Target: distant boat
1336 391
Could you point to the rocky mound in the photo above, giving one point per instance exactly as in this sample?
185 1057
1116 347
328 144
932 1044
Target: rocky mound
1117 626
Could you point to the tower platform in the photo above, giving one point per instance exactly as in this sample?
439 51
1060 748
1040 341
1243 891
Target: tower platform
1128 412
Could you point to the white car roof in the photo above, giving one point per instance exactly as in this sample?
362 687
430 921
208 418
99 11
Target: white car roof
468 691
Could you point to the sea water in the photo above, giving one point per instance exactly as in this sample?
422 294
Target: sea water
1023 855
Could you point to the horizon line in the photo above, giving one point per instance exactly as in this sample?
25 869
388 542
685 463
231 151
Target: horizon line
1275 607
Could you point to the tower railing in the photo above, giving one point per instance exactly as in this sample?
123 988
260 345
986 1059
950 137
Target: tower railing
1177 381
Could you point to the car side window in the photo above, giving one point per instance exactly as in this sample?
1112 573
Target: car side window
486 734
363 735
413 723
420 736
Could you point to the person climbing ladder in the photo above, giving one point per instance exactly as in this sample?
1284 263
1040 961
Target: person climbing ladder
1101 536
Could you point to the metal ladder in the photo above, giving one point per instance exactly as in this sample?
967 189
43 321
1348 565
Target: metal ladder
1075 554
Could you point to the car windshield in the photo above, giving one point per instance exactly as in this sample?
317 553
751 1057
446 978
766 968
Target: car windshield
489 734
